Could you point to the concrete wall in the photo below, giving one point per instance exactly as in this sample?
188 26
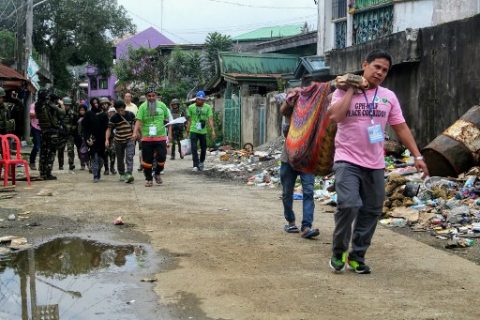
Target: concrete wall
450 10
250 118
273 118
407 14
413 14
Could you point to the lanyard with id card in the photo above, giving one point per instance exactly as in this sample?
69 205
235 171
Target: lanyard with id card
375 132
152 130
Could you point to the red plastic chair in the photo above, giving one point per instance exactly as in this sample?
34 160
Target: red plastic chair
8 163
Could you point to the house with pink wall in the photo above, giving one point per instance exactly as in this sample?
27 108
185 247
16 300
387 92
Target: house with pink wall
101 86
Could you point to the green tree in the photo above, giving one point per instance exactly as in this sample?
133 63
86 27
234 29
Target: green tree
7 47
143 67
73 32
214 43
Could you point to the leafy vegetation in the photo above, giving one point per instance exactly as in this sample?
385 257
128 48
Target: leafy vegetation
74 32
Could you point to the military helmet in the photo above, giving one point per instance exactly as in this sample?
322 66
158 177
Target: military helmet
2 92
103 100
175 101
67 101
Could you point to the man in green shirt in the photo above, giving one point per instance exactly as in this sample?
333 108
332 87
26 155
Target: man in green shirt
198 114
150 120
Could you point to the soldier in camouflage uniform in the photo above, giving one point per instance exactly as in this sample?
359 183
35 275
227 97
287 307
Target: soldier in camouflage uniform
7 124
49 115
69 123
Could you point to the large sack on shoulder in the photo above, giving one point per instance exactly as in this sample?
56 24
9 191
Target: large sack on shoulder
310 142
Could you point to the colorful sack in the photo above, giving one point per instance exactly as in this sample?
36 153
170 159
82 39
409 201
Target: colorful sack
310 143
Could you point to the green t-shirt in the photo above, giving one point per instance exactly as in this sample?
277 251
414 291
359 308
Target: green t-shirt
199 116
156 124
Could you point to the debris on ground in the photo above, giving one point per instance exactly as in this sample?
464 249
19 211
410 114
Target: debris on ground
13 243
448 208
118 221
256 167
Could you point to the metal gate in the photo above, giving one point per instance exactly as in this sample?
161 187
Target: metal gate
232 119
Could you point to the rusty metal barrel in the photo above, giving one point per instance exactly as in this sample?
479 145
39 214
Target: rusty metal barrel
457 149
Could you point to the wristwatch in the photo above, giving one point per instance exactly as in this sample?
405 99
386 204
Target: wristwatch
418 158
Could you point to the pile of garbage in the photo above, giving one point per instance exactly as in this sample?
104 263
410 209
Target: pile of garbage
259 167
448 208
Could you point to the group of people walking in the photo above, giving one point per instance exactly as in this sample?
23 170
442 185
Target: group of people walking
108 131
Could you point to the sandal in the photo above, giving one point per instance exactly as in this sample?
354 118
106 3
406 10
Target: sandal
291 228
308 233
148 183
158 179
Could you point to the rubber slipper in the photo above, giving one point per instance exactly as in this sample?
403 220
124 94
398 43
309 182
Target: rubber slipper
149 183
311 233
291 229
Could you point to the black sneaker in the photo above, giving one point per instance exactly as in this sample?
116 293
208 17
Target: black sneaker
106 172
358 267
337 262
49 177
60 168
71 167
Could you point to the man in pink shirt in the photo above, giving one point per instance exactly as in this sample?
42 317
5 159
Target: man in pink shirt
36 134
361 115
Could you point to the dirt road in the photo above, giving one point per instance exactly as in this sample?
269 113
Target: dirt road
233 261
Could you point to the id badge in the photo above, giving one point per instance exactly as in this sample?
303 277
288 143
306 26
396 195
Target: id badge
198 126
152 130
375 134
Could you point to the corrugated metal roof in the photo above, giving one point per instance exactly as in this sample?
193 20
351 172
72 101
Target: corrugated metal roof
8 73
273 32
252 63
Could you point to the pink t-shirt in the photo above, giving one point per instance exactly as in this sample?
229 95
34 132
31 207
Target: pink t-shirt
351 142
34 122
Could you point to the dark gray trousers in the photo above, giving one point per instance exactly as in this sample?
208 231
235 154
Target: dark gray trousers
360 196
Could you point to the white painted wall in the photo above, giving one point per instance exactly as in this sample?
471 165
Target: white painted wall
449 10
412 14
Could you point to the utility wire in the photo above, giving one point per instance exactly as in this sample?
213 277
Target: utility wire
250 26
152 24
261 7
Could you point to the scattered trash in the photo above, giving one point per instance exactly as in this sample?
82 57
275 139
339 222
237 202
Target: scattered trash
118 221
13 243
45 193
12 217
131 302
149 280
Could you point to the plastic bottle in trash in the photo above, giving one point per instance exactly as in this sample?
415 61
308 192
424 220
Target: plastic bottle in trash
470 182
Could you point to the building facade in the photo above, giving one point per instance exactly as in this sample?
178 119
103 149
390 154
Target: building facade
345 23
104 86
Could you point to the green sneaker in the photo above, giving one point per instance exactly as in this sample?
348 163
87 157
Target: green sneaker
129 178
337 263
358 267
122 177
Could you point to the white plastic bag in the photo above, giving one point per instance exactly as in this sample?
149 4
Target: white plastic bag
186 147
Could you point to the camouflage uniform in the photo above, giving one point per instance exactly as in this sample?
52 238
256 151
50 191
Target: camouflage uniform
69 124
48 114
7 124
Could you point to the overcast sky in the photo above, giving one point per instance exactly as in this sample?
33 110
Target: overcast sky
189 21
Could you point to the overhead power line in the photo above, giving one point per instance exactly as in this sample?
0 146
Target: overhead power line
248 26
260 6
153 24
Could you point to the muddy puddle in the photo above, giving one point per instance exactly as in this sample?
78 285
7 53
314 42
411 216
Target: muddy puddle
78 278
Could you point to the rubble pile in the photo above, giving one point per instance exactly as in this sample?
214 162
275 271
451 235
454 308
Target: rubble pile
448 208
259 167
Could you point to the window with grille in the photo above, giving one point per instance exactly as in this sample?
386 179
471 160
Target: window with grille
339 9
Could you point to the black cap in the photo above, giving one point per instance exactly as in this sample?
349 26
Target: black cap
119 104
